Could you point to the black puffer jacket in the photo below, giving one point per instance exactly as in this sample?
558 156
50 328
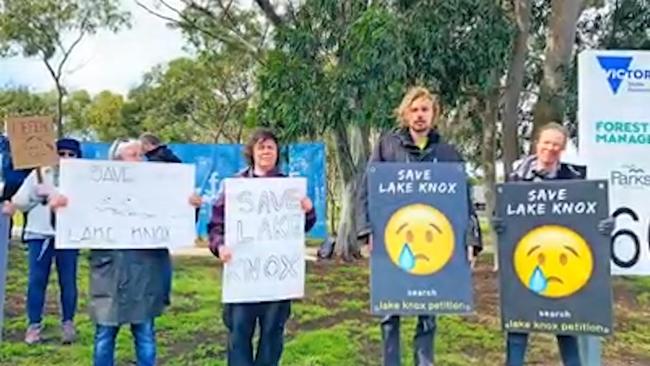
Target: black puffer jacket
398 146
162 154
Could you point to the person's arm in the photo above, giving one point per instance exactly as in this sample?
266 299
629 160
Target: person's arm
25 198
363 219
310 219
216 227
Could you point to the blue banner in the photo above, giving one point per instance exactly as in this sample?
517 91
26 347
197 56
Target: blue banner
216 162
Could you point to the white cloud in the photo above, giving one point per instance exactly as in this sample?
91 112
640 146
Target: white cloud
105 61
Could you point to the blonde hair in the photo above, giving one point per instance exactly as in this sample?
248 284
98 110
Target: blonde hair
413 94
552 126
118 146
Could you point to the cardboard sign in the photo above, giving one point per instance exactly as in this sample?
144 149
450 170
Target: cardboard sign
419 215
265 230
553 262
32 141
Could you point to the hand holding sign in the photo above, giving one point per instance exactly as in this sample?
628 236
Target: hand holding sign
58 201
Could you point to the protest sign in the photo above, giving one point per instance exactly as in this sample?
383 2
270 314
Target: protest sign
265 230
32 141
553 262
125 205
419 214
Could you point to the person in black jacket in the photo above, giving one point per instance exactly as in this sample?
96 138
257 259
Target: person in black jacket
154 150
545 165
414 141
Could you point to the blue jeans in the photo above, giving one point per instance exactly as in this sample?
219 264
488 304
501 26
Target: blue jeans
517 343
241 319
40 263
144 336
425 331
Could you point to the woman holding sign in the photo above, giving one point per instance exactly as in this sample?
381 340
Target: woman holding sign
127 286
262 154
31 198
545 165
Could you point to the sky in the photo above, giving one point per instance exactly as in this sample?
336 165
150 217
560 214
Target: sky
104 61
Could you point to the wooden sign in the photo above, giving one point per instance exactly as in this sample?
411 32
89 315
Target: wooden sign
32 141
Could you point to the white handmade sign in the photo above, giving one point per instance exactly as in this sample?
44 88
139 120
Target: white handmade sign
125 205
265 230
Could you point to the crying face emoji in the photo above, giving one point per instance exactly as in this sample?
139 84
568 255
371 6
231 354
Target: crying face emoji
553 261
419 239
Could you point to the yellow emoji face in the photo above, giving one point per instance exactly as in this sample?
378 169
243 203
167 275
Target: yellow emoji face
553 261
419 239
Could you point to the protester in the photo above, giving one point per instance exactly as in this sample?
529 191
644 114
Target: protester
415 140
125 285
262 153
12 178
545 165
31 198
155 151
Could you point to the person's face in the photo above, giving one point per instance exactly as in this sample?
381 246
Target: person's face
265 154
131 153
67 154
419 115
549 147
146 147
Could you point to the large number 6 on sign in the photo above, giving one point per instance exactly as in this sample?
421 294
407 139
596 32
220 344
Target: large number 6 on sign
627 233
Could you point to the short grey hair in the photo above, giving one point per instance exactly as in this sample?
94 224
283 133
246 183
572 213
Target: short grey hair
118 146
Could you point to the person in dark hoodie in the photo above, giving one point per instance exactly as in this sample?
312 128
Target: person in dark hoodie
154 150
416 140
31 198
262 153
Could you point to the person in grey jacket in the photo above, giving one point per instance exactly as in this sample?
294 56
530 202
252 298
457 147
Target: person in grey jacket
127 286
545 165
414 141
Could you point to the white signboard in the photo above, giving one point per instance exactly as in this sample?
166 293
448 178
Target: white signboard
125 205
614 134
265 230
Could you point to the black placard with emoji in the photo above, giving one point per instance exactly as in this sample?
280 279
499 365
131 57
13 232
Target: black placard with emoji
554 263
419 215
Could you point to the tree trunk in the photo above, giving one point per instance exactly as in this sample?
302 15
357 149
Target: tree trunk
514 85
560 40
352 151
488 153
59 108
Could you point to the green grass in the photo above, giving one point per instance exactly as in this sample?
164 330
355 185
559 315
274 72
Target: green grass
331 326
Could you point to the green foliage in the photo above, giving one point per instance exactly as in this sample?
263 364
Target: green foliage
339 65
20 102
37 27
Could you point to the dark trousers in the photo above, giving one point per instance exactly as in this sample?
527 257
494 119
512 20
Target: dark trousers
423 340
241 320
518 342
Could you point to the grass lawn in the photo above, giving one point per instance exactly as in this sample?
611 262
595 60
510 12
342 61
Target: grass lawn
331 327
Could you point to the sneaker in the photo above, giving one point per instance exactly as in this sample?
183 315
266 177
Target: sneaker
69 332
33 334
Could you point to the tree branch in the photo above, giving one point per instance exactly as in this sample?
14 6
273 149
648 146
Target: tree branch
69 51
270 12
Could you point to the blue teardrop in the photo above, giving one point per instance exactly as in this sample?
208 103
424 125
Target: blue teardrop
406 258
537 281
